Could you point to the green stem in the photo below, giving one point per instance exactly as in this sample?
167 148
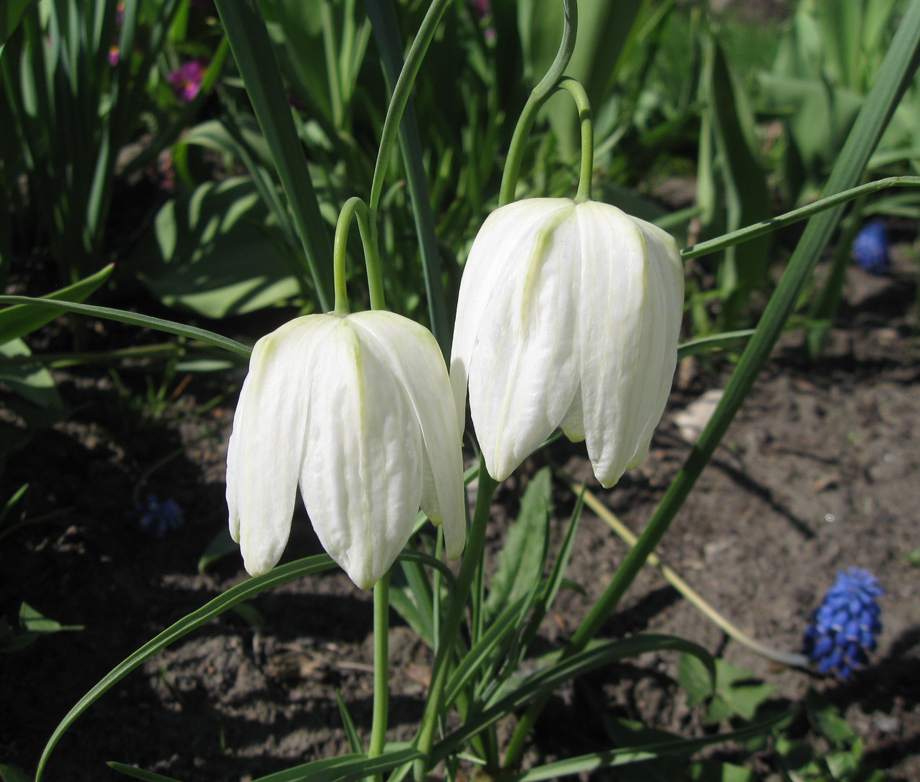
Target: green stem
355 207
673 578
472 558
381 666
796 215
538 97
400 96
583 105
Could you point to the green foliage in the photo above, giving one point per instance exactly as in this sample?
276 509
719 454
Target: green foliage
31 626
218 252
72 113
735 694
831 751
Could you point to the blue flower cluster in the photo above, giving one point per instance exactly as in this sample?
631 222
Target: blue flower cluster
870 247
158 517
844 628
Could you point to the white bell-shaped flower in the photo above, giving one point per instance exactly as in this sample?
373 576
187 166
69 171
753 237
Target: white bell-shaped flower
357 411
568 316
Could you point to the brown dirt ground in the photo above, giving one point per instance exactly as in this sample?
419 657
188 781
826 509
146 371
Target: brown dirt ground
818 473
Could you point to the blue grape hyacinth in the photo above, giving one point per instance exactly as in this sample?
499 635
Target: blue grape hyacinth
870 248
845 627
158 517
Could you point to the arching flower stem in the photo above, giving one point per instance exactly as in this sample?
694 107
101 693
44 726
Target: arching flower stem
540 94
355 207
583 105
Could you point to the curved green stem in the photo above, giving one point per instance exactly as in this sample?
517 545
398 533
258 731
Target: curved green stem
401 96
381 666
538 97
791 659
355 207
583 105
472 559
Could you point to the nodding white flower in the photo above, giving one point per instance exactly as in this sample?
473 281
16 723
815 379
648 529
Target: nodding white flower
357 411
568 316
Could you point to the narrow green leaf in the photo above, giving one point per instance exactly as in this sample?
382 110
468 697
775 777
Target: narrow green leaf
254 55
484 649
30 380
344 768
705 344
522 558
220 546
133 319
626 755
276 577
386 33
23 319
139 773
350 730
556 579
744 181
597 655
10 14
796 215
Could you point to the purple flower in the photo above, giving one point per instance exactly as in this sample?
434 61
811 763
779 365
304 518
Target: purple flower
158 517
870 248
845 626
187 80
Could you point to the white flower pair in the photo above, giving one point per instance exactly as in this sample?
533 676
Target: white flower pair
568 316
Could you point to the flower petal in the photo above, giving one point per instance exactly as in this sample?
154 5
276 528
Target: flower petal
521 368
631 289
362 471
493 257
266 446
412 353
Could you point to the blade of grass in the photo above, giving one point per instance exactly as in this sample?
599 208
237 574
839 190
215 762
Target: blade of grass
602 653
252 49
386 33
796 215
235 595
133 319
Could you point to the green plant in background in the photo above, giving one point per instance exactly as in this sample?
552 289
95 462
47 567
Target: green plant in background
75 80
481 630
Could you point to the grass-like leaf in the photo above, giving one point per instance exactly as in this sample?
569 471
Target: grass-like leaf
22 319
252 50
134 319
599 654
624 755
230 598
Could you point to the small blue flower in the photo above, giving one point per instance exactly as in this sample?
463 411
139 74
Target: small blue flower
158 517
870 248
845 626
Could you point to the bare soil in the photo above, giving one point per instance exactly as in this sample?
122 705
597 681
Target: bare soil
818 473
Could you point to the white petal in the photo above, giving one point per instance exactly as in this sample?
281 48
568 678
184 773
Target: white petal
266 446
522 377
493 258
413 354
626 335
361 477
667 283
